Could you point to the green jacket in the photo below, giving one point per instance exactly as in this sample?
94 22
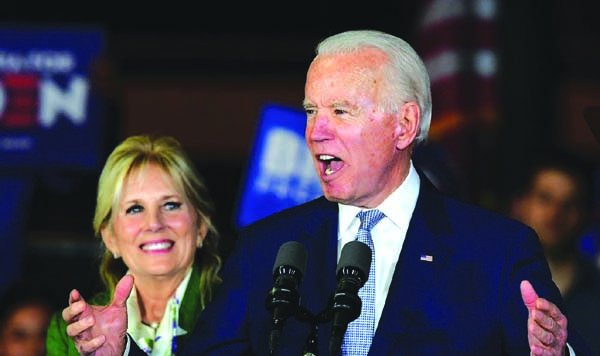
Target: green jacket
58 343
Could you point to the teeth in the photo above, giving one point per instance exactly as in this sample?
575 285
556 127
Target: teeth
328 161
156 246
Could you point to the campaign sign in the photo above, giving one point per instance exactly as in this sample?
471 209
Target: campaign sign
280 173
15 197
48 117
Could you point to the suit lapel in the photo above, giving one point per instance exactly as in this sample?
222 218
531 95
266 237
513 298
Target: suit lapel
413 277
190 308
423 256
319 234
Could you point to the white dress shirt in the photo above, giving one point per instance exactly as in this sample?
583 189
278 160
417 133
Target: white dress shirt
388 235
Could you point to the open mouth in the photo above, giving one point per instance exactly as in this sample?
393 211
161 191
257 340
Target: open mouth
157 246
330 164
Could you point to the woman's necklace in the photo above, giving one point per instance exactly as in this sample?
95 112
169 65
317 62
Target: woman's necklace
147 343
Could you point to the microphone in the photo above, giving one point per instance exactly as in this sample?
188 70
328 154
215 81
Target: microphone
352 273
283 299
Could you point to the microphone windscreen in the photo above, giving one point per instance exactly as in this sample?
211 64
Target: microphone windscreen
357 255
292 254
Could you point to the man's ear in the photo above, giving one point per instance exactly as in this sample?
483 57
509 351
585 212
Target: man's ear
409 118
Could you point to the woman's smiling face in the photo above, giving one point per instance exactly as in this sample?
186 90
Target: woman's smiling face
155 228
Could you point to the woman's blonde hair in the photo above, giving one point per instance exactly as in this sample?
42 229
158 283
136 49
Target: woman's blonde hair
137 152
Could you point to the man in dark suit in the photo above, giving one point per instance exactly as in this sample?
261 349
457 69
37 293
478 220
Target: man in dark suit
448 276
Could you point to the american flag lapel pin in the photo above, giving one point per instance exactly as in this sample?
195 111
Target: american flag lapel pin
427 258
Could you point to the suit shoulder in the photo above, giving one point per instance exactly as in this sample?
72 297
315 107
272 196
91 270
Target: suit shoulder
483 218
295 216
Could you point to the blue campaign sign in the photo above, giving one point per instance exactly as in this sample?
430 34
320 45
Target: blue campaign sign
15 197
48 114
280 172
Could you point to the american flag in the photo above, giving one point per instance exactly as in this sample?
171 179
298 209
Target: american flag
427 258
457 40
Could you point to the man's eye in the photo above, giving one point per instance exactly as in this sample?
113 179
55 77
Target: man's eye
172 205
134 209
340 112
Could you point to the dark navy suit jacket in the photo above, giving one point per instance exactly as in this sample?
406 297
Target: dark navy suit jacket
466 301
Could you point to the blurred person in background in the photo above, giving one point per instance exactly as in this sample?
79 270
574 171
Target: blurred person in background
553 195
24 320
153 214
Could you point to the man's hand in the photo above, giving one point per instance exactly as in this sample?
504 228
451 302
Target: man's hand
99 330
546 325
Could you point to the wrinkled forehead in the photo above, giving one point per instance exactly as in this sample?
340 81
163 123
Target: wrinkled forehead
347 74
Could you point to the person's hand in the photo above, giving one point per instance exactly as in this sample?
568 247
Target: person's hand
546 325
99 330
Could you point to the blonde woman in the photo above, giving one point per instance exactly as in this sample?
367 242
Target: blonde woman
153 215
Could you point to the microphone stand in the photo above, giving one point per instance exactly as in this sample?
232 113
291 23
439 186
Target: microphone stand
343 307
302 314
311 346
338 301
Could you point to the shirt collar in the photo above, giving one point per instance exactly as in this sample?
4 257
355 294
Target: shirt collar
398 206
133 311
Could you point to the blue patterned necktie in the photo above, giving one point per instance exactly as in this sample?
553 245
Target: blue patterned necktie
359 334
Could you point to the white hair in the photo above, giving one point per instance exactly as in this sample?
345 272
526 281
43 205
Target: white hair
406 75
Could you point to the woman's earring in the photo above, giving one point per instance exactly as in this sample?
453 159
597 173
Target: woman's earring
116 255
